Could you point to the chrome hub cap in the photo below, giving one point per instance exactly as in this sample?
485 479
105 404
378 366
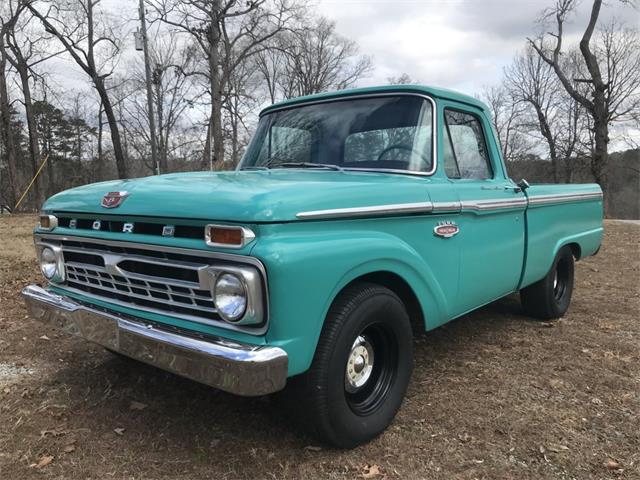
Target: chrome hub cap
359 365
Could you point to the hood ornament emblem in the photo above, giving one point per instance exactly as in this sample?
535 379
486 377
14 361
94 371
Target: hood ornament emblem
113 199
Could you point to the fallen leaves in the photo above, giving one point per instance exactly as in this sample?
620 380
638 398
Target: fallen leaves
69 447
56 432
557 448
119 431
370 471
43 461
612 464
134 405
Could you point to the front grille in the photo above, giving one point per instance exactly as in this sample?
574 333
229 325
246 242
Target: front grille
170 281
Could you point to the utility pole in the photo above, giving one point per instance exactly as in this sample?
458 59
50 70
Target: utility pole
147 70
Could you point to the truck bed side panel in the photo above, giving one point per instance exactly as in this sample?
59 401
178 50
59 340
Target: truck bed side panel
560 215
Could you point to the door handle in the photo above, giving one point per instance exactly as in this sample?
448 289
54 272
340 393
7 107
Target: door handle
514 188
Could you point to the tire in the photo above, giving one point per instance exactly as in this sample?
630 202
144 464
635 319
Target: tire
361 368
550 297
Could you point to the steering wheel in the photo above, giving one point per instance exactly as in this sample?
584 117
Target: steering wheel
402 146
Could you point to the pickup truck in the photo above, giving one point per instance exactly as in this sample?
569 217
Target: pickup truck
354 220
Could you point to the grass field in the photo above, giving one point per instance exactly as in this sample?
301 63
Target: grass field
494 395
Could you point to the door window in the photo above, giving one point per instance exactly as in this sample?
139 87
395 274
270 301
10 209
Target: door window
465 152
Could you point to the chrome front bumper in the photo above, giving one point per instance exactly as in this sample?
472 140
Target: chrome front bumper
242 369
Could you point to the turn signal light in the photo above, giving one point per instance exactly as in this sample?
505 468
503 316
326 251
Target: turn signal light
227 236
48 222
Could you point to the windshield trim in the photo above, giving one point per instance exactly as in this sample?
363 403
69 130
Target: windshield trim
434 130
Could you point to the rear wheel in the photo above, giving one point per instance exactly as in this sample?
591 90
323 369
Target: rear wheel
361 368
550 297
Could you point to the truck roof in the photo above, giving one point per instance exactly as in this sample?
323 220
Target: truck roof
424 89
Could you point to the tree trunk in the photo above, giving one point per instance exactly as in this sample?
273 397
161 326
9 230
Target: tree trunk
600 158
34 147
216 113
5 130
121 164
100 128
162 132
206 156
215 84
545 129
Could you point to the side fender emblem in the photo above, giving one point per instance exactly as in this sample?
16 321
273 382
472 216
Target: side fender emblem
446 229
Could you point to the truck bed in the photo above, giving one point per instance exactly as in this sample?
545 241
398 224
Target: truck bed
559 215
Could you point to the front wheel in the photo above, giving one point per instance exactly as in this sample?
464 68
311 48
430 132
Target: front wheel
361 368
550 297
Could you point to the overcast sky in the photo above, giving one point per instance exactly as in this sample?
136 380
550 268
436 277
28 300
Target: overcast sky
458 44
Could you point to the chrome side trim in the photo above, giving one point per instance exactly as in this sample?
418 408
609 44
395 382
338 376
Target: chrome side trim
393 209
434 124
538 200
203 274
447 207
494 204
241 369
420 207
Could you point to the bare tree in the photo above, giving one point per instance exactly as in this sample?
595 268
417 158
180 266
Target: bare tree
28 49
508 121
227 32
93 44
172 95
9 15
402 79
533 83
318 59
606 75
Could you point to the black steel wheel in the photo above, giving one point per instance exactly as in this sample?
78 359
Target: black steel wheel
550 297
361 367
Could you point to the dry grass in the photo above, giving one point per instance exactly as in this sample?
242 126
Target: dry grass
494 395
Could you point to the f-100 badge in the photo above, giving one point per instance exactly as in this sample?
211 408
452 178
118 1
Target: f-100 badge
446 229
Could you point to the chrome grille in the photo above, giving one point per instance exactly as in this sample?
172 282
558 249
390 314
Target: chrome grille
140 278
92 278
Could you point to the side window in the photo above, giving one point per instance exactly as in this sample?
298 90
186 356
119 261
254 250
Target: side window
465 152
287 144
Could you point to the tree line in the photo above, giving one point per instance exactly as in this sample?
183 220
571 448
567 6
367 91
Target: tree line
214 63
563 101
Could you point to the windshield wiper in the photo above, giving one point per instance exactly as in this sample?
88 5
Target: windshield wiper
255 167
308 165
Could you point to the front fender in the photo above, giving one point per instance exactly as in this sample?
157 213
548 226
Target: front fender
307 269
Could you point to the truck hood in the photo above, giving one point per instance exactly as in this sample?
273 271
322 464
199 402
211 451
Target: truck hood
244 196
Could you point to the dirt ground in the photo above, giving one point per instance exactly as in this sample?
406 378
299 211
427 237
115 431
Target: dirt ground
494 395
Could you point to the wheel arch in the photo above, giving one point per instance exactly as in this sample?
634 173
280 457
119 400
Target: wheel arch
575 249
398 285
418 290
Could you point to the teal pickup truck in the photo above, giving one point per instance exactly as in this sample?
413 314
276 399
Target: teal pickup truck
354 220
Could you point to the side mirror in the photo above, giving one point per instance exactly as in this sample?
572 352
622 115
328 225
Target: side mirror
523 184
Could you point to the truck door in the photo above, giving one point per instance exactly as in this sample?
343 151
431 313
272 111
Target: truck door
491 224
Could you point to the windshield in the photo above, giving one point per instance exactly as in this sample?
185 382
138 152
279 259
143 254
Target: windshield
371 133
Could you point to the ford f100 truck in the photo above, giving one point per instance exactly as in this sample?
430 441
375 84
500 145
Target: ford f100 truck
354 220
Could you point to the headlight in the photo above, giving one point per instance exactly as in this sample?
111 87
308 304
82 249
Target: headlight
230 297
51 264
48 263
